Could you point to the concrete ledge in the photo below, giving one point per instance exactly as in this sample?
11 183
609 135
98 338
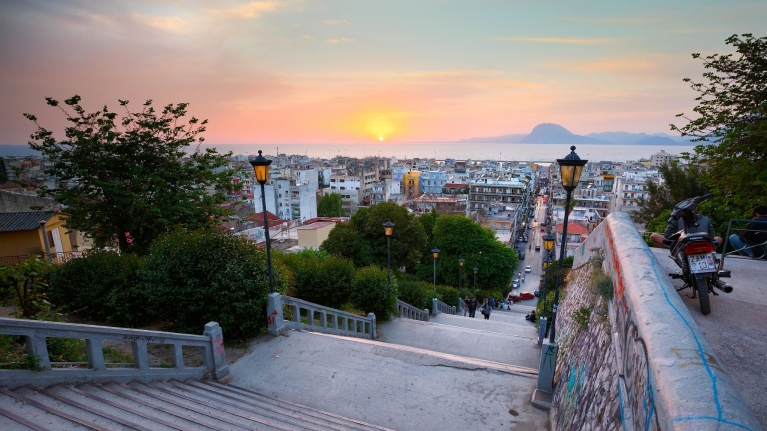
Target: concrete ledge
542 399
670 376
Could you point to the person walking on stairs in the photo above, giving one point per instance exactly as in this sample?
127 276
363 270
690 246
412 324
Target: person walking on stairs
472 307
486 309
466 305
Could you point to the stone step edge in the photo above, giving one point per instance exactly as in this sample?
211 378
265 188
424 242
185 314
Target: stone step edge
501 323
498 366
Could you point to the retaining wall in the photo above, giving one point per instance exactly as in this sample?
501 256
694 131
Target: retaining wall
668 376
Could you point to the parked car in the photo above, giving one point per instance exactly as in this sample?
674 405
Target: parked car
542 230
521 255
526 295
537 248
528 269
514 298
515 283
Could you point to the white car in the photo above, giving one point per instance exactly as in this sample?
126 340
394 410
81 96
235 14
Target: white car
528 269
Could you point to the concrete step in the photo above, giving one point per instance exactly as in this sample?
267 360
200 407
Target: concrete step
161 406
519 350
397 386
519 327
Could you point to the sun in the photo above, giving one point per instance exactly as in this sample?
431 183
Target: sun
380 138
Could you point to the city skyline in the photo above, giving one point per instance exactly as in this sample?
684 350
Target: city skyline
347 72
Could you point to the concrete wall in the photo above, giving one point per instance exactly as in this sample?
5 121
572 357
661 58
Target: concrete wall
668 376
11 202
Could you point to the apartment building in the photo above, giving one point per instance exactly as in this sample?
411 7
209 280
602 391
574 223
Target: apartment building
487 192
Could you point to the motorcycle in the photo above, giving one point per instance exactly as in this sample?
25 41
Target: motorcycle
694 253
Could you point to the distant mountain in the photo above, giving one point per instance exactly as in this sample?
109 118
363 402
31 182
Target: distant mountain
634 138
659 140
549 133
505 139
17 151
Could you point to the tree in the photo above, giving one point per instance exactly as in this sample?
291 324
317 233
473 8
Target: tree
362 239
330 205
128 180
678 184
459 237
320 278
732 125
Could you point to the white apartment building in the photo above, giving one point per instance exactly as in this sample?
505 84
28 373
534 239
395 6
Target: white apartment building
487 192
662 158
288 200
628 189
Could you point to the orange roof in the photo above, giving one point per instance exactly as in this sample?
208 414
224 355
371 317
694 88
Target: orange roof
573 228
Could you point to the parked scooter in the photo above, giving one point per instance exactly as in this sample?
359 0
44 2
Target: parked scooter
694 253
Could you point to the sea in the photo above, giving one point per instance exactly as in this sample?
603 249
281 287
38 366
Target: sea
436 150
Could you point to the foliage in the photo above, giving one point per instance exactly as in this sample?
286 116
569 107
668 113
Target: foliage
362 239
731 127
330 205
13 354
321 278
194 277
551 282
679 183
27 282
459 237
416 293
102 285
372 293
448 295
582 316
128 180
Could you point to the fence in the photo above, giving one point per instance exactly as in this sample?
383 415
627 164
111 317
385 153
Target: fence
757 251
407 311
209 346
57 258
285 313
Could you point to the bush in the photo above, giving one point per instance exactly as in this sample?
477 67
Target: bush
320 278
448 295
372 293
103 285
194 277
27 283
416 293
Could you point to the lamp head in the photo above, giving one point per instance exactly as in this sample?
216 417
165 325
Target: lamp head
435 253
460 262
548 242
570 169
388 227
476 269
261 167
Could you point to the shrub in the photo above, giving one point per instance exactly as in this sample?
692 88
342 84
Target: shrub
582 316
27 282
448 295
603 286
320 278
372 293
416 293
103 285
194 277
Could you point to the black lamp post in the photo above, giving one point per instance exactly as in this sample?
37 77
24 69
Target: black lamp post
388 228
475 279
460 272
261 167
570 169
435 253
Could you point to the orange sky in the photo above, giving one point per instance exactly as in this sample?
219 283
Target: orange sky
354 71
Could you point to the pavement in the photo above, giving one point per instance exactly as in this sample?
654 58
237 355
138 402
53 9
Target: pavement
389 385
736 327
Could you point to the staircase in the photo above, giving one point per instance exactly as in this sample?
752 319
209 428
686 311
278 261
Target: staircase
172 405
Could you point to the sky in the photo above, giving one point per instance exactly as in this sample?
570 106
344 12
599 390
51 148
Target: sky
337 71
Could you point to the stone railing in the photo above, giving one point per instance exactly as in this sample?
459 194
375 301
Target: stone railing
669 378
209 348
407 311
440 307
285 313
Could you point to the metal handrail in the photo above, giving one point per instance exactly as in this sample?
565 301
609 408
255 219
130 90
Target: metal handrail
727 241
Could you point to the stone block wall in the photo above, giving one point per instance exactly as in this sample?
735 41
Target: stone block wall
586 395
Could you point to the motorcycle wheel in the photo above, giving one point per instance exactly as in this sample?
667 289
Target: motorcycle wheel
702 287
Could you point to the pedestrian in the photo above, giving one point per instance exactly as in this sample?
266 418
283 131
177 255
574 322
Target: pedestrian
472 306
752 241
486 309
466 305
492 302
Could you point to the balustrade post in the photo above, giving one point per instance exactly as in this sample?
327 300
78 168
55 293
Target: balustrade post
93 349
37 349
274 316
425 314
140 354
372 318
434 306
220 367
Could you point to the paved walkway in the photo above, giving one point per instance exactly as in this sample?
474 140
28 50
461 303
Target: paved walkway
736 327
388 386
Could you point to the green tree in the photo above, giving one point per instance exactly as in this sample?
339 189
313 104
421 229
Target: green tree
731 126
320 278
679 183
459 237
551 284
362 239
128 180
27 282
194 277
330 205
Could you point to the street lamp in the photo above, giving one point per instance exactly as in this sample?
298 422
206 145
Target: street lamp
435 253
261 168
570 169
475 279
388 228
460 272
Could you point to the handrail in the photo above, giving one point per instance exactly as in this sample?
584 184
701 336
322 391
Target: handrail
444 308
408 311
35 333
318 318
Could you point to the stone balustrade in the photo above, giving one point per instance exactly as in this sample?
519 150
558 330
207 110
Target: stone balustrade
210 346
407 311
440 307
285 313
